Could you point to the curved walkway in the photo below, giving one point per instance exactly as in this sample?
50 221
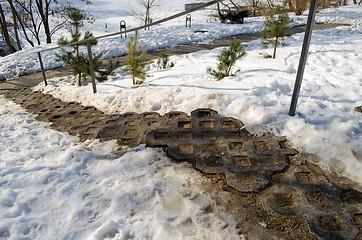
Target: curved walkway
294 198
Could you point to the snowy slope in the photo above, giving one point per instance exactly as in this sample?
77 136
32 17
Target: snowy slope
54 187
325 126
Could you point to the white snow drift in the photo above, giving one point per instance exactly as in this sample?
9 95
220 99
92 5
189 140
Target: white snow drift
54 187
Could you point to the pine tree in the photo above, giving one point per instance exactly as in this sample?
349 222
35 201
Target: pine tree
136 64
102 75
164 62
79 62
227 60
276 29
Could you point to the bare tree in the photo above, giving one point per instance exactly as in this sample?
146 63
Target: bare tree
15 24
254 5
43 7
58 11
147 9
322 4
36 15
28 16
298 6
4 30
20 15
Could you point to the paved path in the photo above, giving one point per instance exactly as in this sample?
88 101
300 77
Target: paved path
34 79
253 177
296 200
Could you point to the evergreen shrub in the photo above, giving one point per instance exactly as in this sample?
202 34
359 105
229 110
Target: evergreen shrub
136 64
227 60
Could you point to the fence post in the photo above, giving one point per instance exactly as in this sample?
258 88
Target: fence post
303 56
91 67
188 20
42 69
122 25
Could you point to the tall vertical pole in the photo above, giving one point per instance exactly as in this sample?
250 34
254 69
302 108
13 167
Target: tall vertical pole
91 67
303 56
42 69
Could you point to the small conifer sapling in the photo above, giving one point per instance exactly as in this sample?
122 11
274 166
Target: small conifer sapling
163 62
276 29
136 64
79 62
227 60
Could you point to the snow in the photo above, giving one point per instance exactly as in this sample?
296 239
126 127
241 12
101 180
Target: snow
52 185
172 33
326 126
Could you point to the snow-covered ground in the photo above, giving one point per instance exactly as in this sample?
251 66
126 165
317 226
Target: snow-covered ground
326 125
54 187
172 33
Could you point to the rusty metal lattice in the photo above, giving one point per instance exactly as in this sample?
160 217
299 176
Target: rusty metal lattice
220 145
216 144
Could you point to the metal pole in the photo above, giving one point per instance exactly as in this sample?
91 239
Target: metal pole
91 67
303 56
42 69
122 25
188 20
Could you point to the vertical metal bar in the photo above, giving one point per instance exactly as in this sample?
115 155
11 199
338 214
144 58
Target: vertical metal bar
188 20
303 56
91 67
122 25
42 69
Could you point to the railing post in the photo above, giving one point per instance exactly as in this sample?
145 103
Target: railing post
303 56
188 20
42 69
122 26
91 67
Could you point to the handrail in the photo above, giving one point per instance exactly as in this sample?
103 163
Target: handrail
137 28
87 41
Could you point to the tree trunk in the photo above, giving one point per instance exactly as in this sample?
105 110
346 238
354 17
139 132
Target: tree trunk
291 6
45 18
4 29
79 72
24 30
275 47
236 6
46 23
218 10
148 18
15 24
35 27
254 8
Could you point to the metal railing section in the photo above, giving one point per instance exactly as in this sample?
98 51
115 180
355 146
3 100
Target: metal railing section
88 41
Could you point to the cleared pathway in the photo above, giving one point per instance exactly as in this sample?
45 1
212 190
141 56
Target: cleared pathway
252 176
